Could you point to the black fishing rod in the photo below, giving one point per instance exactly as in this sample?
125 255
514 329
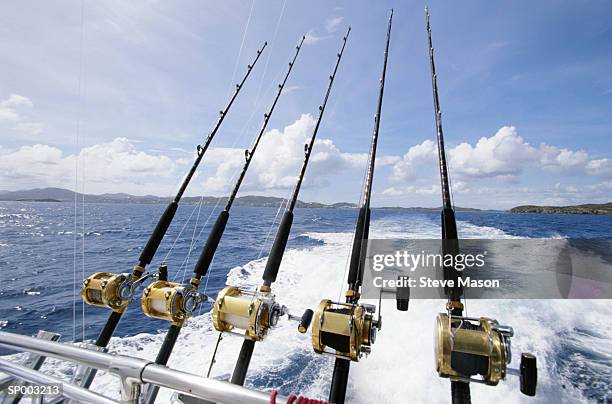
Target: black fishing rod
460 391
339 382
467 346
179 301
278 249
115 291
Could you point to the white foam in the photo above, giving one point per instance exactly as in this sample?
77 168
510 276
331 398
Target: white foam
400 369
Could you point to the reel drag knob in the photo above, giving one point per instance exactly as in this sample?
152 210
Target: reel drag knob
529 374
305 321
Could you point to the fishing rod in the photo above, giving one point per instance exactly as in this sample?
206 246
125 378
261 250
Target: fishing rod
251 314
467 346
176 302
115 291
347 330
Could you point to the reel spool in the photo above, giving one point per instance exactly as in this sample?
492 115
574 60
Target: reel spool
106 289
253 313
170 301
348 329
466 346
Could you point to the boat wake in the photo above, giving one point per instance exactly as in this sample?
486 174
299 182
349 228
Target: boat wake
401 366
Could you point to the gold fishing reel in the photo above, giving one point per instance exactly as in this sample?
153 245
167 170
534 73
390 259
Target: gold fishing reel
246 313
171 301
105 289
467 346
115 291
349 330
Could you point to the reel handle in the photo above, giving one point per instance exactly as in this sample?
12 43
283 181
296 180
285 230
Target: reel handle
528 374
305 321
402 297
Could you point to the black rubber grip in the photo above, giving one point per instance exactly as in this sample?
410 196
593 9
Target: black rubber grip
529 374
109 329
460 393
208 252
103 340
278 248
243 362
305 321
162 359
168 345
148 252
356 249
337 393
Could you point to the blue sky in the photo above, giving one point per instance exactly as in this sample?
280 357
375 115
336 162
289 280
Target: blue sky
119 93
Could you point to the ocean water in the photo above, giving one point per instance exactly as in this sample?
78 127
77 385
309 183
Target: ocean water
43 255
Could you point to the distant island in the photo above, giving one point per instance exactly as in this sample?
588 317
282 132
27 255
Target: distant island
65 195
586 209
59 195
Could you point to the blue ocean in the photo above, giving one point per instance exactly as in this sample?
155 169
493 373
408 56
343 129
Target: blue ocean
46 249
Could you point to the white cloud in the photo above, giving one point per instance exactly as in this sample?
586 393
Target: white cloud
8 107
11 110
563 161
16 100
311 38
502 156
331 25
404 168
115 166
600 167
278 159
8 114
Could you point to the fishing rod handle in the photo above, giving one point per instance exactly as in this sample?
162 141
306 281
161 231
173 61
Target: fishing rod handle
337 393
158 234
460 393
278 249
243 362
358 238
208 252
162 359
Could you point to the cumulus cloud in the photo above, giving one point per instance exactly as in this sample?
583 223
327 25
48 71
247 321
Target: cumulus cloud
563 161
278 159
9 107
16 100
600 167
11 111
404 167
502 156
108 167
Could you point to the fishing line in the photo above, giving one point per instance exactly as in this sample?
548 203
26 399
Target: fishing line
284 201
258 100
348 256
76 179
244 32
233 144
180 233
